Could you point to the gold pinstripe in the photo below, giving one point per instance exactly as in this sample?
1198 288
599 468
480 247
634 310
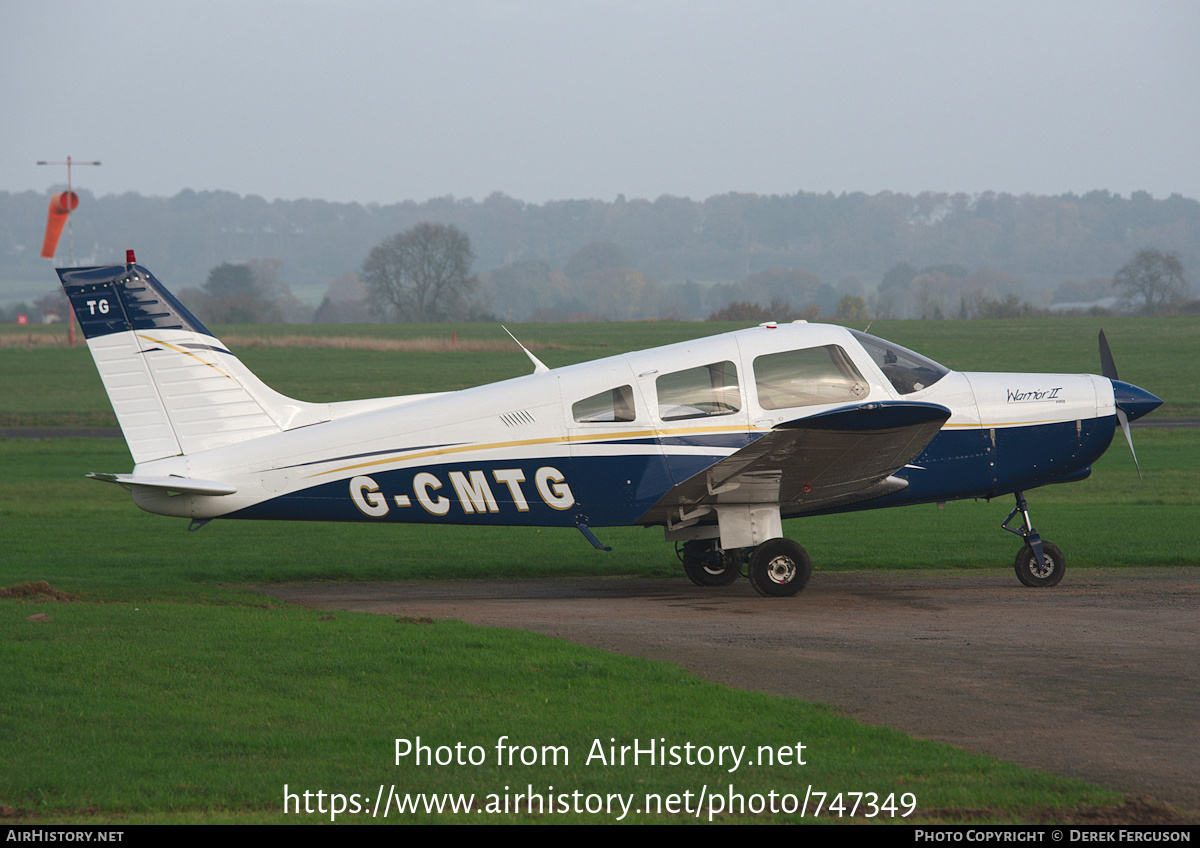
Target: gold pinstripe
178 349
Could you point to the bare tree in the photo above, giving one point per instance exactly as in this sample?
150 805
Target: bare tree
1151 280
422 275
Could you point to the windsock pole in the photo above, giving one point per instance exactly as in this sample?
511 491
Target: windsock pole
61 207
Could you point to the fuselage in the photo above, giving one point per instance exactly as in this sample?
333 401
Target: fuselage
599 443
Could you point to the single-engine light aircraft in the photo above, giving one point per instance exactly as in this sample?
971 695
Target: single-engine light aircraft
715 440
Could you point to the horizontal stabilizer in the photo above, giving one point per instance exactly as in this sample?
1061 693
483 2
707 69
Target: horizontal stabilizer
182 485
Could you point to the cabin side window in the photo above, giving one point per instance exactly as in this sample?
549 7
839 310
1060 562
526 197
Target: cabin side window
807 377
699 392
611 405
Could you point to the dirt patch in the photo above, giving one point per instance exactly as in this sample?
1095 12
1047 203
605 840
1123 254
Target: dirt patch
36 590
1098 678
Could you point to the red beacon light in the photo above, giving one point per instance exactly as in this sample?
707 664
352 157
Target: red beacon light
129 257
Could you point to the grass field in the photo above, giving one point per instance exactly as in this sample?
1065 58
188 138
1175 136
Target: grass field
46 383
164 694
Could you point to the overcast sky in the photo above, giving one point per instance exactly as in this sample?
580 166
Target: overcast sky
387 100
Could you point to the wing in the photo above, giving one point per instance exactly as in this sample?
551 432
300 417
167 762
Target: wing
831 459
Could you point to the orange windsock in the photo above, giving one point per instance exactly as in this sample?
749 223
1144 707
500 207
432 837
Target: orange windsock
61 206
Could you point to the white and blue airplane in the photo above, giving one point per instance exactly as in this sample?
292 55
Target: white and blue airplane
715 440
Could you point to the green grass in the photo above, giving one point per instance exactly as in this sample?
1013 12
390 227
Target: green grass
49 386
160 711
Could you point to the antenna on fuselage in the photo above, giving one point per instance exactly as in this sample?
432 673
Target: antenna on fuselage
539 367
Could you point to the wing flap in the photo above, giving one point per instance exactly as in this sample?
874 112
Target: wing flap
834 458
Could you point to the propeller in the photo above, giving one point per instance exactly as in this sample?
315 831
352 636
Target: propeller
1126 396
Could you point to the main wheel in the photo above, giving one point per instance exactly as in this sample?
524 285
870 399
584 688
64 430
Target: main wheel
704 573
779 568
1046 573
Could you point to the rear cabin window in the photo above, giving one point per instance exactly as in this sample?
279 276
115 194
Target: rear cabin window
807 377
699 392
611 405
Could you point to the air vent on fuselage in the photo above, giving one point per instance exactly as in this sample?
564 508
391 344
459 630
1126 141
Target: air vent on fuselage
520 418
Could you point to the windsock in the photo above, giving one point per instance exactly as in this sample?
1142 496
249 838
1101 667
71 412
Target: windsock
61 206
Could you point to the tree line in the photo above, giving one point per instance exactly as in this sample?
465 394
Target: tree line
425 275
927 255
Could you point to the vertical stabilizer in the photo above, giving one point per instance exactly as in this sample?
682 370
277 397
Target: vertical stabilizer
173 385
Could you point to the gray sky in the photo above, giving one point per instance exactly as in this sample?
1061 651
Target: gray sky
387 100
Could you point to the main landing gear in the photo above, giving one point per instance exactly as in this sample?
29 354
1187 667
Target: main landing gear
1038 563
707 564
776 568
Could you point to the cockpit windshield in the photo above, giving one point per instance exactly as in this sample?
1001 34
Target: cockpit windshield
908 372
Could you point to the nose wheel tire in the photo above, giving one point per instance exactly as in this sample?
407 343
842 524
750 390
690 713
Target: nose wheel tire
779 568
1046 573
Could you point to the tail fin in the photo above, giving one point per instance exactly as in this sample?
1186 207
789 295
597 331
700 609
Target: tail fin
173 385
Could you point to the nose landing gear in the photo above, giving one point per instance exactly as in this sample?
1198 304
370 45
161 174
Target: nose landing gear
1038 564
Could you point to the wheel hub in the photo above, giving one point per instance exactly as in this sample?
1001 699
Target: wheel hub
781 570
1041 570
